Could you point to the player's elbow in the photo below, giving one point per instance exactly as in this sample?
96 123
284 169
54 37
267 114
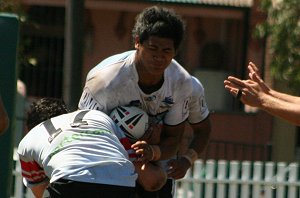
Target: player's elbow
156 184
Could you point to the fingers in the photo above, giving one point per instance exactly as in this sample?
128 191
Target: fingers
252 68
253 72
236 81
257 78
144 150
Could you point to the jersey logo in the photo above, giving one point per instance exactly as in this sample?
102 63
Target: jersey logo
185 108
150 98
168 100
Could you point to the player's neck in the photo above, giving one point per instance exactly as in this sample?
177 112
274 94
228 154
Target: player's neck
148 86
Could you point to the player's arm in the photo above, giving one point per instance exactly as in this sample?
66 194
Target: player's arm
180 166
201 135
39 190
34 176
150 176
168 146
170 140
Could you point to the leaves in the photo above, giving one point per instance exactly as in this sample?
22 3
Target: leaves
283 28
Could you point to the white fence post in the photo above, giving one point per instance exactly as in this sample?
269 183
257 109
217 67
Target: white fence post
293 177
281 172
269 179
198 176
257 177
210 173
222 169
246 165
233 177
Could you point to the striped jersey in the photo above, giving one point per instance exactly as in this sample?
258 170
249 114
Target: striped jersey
83 146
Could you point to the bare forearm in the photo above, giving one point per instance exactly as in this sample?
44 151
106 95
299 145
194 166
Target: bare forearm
168 147
171 138
199 143
285 97
286 110
201 135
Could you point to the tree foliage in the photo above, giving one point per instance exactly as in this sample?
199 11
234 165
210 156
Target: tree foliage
283 29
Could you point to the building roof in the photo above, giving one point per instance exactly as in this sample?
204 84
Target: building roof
233 3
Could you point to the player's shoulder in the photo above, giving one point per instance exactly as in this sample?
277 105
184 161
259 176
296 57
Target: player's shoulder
179 76
110 65
178 70
197 85
36 134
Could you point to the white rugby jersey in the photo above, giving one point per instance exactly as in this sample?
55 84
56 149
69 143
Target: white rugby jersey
114 82
198 109
81 146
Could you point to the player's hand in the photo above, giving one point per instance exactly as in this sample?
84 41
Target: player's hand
178 168
144 151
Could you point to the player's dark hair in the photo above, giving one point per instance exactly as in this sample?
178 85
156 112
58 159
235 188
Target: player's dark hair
161 22
44 109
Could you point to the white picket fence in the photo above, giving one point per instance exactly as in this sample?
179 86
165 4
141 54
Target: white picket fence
224 179
234 179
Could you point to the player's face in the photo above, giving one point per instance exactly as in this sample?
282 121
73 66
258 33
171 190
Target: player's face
155 54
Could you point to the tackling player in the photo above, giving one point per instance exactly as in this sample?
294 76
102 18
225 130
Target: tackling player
81 154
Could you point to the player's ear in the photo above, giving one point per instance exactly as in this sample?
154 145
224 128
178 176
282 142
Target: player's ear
136 42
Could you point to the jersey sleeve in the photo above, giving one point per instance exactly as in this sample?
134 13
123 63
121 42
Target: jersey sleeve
179 111
198 109
88 101
33 174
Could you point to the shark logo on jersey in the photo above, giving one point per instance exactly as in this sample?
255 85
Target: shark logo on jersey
166 103
168 100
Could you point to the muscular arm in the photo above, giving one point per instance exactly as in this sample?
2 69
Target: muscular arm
170 140
201 135
285 97
288 111
201 132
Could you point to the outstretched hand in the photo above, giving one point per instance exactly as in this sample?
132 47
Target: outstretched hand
251 91
255 76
